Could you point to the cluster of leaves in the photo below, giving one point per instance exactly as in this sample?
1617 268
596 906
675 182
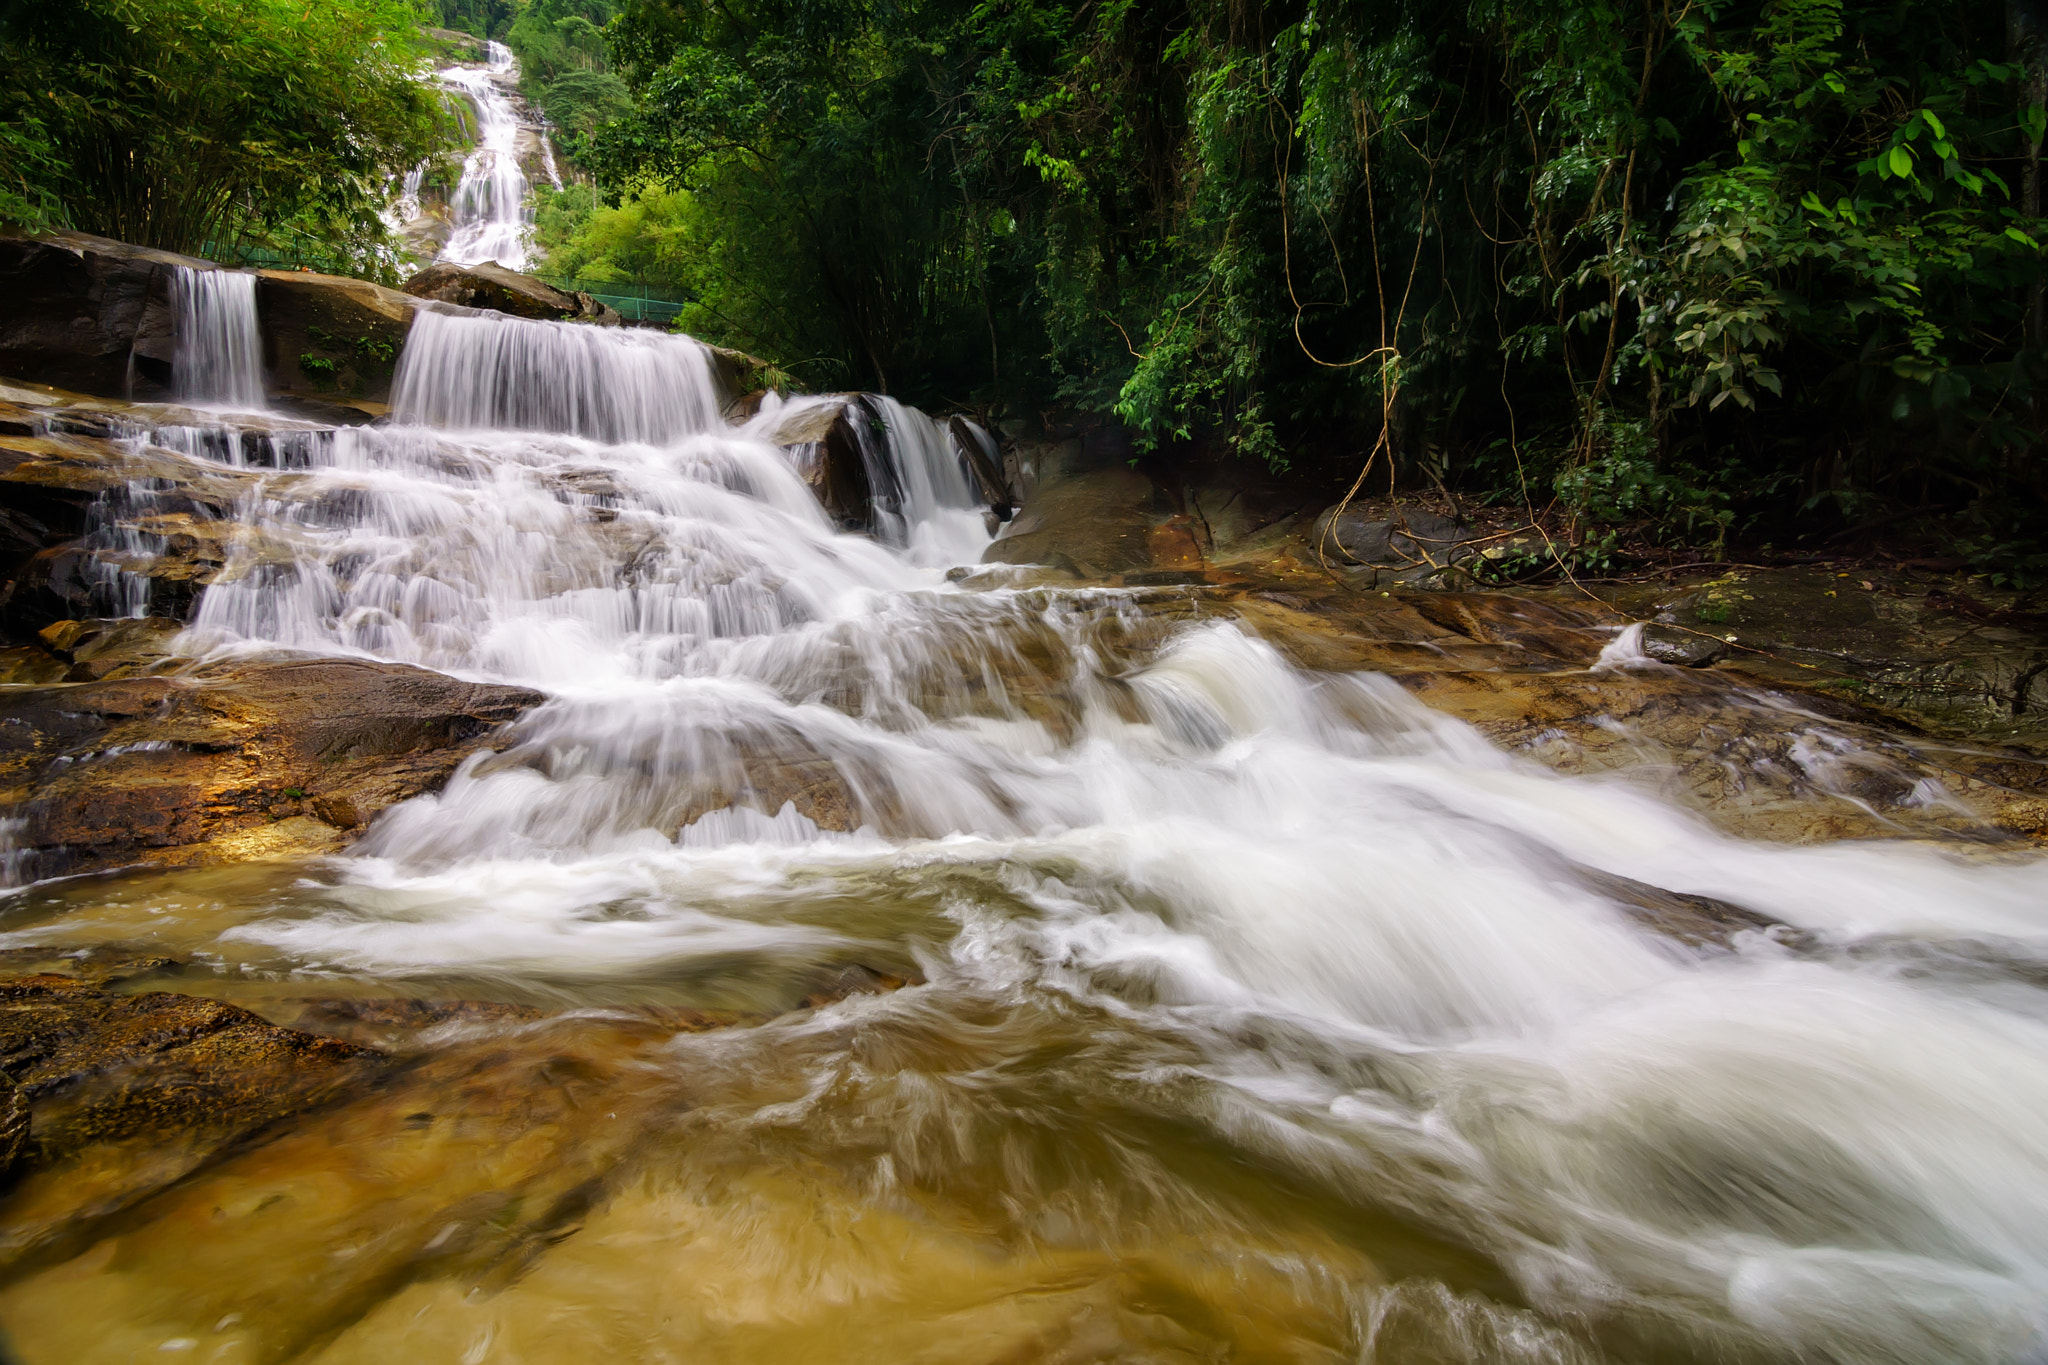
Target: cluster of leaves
211 125
1711 264
564 69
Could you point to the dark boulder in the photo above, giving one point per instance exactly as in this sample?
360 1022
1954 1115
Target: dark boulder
88 313
823 439
1408 544
505 291
984 464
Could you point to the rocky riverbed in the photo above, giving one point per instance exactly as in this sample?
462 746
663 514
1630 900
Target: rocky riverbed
252 1107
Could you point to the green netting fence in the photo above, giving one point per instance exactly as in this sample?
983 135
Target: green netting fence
634 300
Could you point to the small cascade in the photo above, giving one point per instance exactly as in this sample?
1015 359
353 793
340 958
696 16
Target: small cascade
491 219
923 500
219 347
483 371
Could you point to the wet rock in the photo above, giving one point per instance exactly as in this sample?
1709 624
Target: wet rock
111 1098
88 313
1683 648
824 446
1963 661
833 984
1695 921
984 463
744 380
394 1023
1411 545
237 761
331 340
110 648
505 291
85 511
95 1066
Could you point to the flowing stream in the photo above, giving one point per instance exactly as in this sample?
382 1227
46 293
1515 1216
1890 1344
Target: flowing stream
1256 1014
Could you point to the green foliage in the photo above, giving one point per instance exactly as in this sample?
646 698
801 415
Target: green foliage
1732 262
201 125
645 238
563 68
483 18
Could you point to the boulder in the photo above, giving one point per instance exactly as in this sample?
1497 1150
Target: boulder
331 340
743 381
1098 524
823 442
88 313
272 756
521 296
1409 544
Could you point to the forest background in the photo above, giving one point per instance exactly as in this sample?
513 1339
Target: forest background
1706 273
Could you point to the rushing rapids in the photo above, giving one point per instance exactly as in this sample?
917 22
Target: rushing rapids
1263 1014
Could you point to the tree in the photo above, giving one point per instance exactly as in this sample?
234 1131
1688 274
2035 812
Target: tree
200 125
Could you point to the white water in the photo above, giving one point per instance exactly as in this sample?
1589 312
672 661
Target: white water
219 348
1340 937
491 220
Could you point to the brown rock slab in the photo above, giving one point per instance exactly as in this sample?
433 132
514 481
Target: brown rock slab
330 339
233 762
505 291
88 313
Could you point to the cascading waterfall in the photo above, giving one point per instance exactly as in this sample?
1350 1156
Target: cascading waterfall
480 370
490 215
1278 987
219 347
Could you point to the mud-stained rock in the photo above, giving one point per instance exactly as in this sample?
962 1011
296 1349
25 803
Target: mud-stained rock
331 340
505 291
1094 524
233 761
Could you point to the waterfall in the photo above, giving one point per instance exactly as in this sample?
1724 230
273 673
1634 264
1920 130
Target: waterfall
491 219
481 370
219 347
1187 911
923 498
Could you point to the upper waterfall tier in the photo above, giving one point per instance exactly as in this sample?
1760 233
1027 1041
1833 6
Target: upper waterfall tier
491 220
481 371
